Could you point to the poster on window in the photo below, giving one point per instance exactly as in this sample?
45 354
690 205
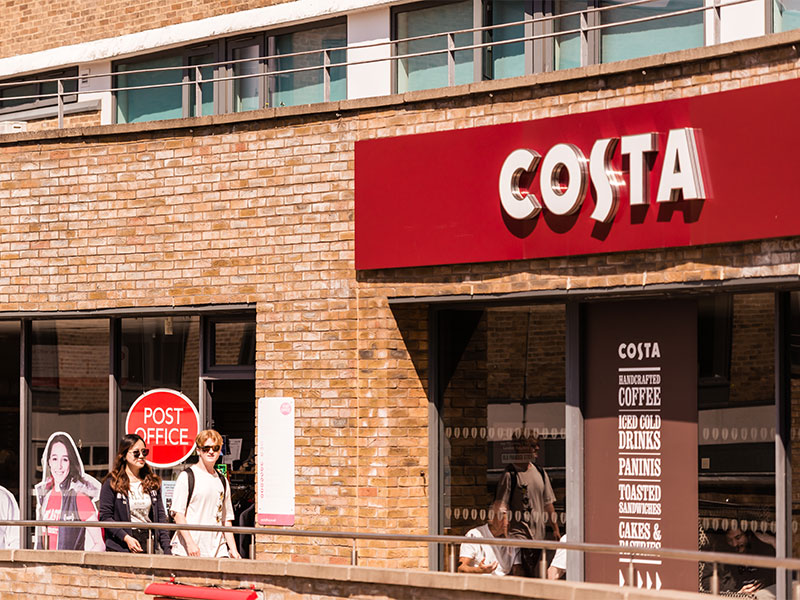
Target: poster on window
66 493
275 470
640 406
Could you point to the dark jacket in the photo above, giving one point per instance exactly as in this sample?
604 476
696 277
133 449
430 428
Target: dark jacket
114 507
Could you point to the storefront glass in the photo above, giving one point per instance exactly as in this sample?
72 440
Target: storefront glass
736 431
501 377
69 390
9 406
159 352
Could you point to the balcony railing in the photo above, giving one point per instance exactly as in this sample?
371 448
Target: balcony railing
537 29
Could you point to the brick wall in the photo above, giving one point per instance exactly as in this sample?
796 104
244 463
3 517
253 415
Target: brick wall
38 25
226 210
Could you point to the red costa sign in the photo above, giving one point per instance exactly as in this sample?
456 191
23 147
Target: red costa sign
708 169
168 422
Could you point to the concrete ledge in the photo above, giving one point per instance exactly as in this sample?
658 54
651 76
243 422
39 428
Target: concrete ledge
398 583
335 109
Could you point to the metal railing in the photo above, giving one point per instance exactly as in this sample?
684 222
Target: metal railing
191 76
628 554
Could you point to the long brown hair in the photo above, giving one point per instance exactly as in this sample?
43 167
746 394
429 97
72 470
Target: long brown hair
119 476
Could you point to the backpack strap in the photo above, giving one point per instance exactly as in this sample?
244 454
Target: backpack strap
190 476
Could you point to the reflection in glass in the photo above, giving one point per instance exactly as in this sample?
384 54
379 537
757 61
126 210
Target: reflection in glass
508 60
9 406
159 352
153 104
502 375
245 90
736 430
649 37
567 47
234 343
430 71
306 87
69 390
786 15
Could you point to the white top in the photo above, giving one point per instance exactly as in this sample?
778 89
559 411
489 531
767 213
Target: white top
139 503
560 559
9 511
205 508
505 556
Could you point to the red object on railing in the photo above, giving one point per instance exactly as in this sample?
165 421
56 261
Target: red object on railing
191 592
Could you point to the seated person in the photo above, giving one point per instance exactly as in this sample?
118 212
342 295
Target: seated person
755 581
486 558
558 566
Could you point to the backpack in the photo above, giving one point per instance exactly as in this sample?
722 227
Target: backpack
190 477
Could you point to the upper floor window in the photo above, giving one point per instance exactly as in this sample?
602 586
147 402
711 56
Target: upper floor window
428 67
163 86
785 15
37 90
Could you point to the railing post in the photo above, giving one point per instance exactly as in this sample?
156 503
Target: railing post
150 534
631 582
451 59
716 22
60 104
354 554
715 580
543 564
198 96
326 76
252 545
451 558
584 41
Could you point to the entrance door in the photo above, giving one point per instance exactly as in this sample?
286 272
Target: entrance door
231 411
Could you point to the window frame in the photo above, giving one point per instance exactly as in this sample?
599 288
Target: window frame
36 80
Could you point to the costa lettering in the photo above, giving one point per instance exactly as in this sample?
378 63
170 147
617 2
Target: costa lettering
564 175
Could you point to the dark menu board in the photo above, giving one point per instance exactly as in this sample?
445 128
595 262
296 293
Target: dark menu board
640 409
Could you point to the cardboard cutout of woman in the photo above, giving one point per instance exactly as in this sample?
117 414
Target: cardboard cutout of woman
66 493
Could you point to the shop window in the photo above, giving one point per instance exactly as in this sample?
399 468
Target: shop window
736 450
12 100
650 37
69 389
159 352
431 70
714 326
785 15
9 406
501 374
231 344
307 87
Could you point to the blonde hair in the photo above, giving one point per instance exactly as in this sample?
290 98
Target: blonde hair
216 438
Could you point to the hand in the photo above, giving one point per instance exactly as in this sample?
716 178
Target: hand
484 568
192 549
233 553
133 543
750 588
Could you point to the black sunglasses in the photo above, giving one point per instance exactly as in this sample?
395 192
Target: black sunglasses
214 448
140 453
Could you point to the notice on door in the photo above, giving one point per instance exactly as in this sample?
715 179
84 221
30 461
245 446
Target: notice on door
275 471
640 404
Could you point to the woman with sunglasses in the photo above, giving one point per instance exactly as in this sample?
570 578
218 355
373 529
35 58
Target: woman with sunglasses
132 492
203 498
